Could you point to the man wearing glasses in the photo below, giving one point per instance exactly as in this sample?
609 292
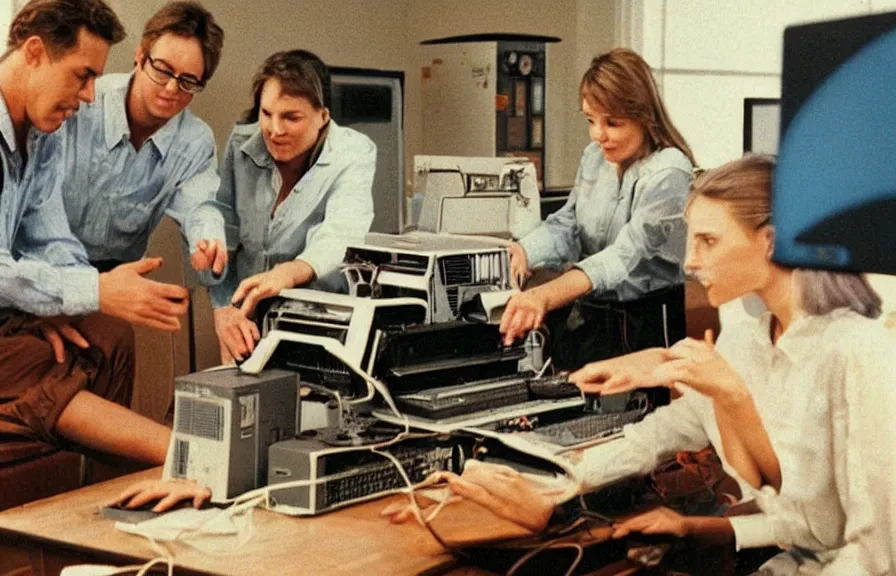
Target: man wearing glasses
137 153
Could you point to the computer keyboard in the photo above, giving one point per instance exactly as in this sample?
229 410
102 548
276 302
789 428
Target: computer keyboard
585 427
557 386
447 401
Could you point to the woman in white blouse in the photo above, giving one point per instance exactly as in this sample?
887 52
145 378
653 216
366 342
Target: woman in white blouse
783 396
783 393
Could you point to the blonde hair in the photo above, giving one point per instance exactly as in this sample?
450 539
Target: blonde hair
745 186
621 83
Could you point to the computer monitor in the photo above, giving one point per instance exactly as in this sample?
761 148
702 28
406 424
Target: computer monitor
834 200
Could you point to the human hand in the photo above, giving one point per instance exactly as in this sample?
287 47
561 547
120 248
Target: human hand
268 284
209 254
236 333
697 364
168 493
620 374
126 294
56 330
523 313
519 266
657 521
503 491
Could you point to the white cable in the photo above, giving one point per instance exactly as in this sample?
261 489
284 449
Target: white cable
249 500
665 325
141 569
543 368
264 491
169 561
580 552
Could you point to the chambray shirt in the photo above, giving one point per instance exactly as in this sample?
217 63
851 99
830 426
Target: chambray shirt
43 268
115 195
628 237
329 208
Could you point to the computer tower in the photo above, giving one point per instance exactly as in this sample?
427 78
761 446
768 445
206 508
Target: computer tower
372 102
224 422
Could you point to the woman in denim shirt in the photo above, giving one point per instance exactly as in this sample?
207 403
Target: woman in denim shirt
299 191
620 238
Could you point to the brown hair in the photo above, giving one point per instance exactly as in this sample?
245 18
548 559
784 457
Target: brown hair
745 186
621 83
189 20
58 22
301 74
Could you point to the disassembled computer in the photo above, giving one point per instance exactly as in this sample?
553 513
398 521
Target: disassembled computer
408 368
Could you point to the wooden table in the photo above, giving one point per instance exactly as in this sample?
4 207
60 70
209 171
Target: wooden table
69 528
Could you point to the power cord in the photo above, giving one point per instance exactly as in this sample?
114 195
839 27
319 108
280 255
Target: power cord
580 552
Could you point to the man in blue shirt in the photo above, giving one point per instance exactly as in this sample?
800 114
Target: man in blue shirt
58 368
137 153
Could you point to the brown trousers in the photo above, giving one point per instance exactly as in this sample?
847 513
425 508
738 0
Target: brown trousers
35 388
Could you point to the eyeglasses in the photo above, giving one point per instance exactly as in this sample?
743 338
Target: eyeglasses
162 77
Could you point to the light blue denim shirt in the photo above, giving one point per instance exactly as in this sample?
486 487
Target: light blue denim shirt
628 237
115 195
329 208
43 268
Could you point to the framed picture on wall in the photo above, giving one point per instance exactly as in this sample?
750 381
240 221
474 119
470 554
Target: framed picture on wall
537 93
537 138
519 98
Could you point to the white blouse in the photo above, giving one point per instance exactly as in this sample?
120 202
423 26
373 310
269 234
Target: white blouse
808 389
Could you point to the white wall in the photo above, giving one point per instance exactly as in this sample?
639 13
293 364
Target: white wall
710 55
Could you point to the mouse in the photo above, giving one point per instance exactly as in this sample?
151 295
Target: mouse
119 513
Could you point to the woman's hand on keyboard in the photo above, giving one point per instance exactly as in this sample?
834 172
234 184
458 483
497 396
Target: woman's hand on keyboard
499 489
620 374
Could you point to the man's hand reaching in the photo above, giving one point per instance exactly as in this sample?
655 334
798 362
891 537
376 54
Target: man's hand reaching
126 294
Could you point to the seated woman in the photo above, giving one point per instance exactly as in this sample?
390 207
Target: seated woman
299 191
621 233
783 393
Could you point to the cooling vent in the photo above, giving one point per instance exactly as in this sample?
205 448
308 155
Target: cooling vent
200 418
456 270
452 293
181 458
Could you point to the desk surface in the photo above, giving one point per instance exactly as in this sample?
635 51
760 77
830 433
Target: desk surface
354 540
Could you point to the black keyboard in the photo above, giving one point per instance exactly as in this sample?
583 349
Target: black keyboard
586 427
449 401
552 387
